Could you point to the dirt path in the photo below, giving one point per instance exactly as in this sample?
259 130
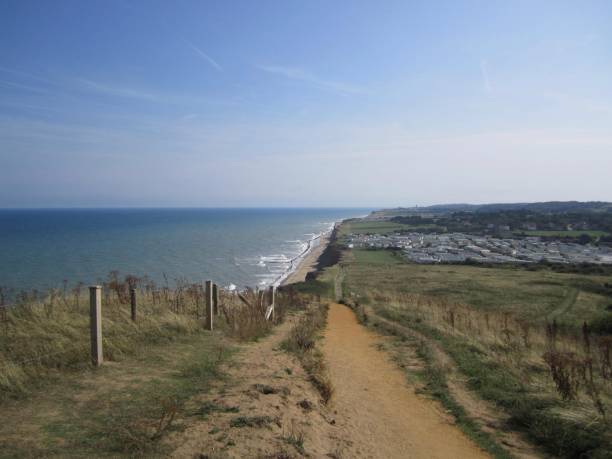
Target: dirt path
265 408
489 417
378 415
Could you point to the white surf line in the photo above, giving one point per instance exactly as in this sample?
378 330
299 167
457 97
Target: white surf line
294 266
293 262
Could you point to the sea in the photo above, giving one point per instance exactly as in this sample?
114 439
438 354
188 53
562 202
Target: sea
49 248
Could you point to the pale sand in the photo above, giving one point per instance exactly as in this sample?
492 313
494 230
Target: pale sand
309 262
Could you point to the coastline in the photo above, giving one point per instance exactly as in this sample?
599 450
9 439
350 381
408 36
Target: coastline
307 261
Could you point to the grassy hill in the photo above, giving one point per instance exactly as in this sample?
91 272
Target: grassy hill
514 338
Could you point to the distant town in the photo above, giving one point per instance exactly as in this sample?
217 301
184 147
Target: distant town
459 248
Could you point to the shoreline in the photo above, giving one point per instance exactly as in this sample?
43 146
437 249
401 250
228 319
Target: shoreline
307 260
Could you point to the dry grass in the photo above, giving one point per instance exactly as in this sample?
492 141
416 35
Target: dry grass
43 335
156 365
244 313
302 342
577 367
553 378
534 296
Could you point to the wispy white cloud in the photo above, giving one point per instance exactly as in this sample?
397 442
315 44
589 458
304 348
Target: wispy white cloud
298 74
203 55
116 90
485 76
22 87
26 75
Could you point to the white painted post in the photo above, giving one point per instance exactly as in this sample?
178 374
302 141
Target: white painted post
209 304
95 323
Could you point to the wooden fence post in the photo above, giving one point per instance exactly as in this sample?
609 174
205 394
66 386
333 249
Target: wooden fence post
215 298
133 303
209 305
95 324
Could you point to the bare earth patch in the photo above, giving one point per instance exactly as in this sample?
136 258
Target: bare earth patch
266 408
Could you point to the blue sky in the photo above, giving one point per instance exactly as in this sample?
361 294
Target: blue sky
312 103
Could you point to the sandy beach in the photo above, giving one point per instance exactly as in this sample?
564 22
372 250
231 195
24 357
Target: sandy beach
309 262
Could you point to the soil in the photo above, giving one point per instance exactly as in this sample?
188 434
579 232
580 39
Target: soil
266 407
373 413
378 414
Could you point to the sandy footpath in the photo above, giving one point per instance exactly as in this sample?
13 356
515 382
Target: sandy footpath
377 413
309 263
266 406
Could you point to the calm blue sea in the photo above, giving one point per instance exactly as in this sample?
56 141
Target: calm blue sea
39 249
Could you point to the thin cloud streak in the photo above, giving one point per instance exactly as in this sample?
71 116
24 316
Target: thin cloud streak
26 75
22 87
203 55
298 74
115 91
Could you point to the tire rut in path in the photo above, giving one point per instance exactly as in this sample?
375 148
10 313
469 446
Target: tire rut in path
378 414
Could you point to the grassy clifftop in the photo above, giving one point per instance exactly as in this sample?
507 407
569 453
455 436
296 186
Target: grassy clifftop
516 335
60 406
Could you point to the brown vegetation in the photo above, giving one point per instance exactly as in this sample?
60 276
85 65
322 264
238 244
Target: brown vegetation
302 342
43 334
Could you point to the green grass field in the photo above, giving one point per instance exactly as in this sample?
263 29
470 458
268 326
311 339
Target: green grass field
369 227
492 324
378 227
531 295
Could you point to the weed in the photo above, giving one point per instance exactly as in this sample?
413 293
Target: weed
296 439
251 421
209 407
302 343
265 389
305 405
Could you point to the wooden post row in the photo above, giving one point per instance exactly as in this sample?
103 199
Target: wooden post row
95 324
208 293
133 303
